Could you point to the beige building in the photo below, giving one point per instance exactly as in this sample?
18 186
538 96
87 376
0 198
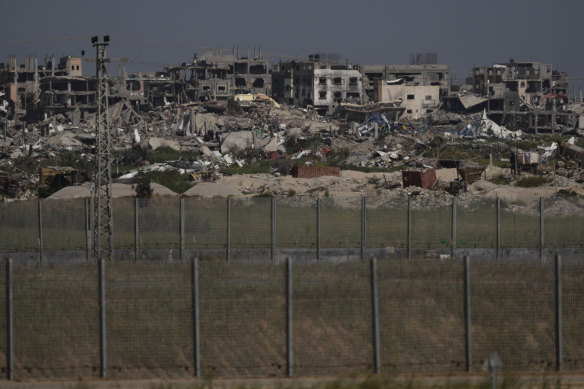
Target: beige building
418 100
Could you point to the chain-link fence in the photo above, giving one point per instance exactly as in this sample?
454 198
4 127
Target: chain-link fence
269 229
209 318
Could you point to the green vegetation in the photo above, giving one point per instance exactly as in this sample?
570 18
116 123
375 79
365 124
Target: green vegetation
172 179
143 188
260 167
501 180
531 182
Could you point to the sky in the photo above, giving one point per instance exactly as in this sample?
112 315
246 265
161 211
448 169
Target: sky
153 34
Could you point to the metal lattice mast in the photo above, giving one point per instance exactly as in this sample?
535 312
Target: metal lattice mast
102 186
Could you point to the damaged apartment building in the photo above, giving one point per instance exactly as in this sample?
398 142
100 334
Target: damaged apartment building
23 84
320 82
519 95
218 76
419 86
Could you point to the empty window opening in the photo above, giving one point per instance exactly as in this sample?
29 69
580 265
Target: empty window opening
322 95
411 97
257 69
258 83
337 80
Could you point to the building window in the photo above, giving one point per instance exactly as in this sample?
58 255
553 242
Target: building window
411 97
338 80
353 81
322 81
428 97
322 95
337 95
206 87
409 111
221 88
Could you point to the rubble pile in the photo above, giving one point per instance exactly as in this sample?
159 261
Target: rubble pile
206 143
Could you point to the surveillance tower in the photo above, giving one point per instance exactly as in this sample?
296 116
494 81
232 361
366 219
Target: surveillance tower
102 185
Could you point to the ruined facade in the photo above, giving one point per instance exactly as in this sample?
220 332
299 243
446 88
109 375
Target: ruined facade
528 95
418 100
218 76
316 83
414 75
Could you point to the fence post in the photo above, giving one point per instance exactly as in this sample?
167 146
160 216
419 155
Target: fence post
317 229
375 305
498 229
289 319
559 321
467 323
102 320
363 227
541 229
453 243
409 228
196 334
182 228
9 321
87 231
40 217
273 250
136 229
228 254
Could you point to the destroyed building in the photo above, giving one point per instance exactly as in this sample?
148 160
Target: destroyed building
219 75
321 84
22 83
411 75
527 95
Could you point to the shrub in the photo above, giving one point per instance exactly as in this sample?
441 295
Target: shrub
531 182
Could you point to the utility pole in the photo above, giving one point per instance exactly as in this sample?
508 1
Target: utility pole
102 184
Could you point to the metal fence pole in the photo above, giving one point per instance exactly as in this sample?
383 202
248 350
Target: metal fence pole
541 229
228 253
87 231
453 243
9 321
559 321
102 320
182 228
317 229
136 229
375 305
289 319
273 250
40 217
409 228
498 229
467 323
196 334
363 227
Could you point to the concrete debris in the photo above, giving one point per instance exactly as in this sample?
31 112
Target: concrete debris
156 143
236 111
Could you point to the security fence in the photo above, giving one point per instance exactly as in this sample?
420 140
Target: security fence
269 229
208 318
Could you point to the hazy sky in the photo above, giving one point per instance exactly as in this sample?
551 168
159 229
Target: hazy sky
153 34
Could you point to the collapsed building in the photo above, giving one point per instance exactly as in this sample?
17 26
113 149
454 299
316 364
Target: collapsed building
519 95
